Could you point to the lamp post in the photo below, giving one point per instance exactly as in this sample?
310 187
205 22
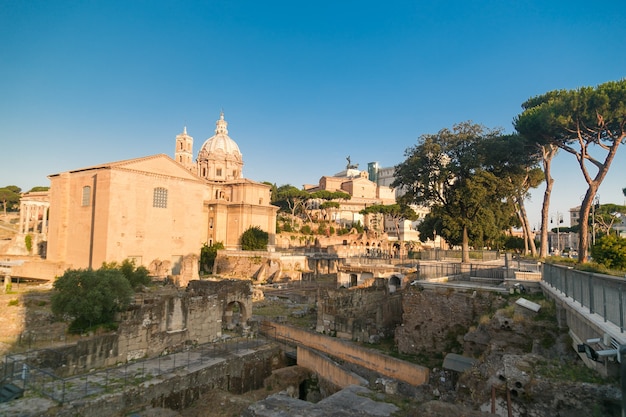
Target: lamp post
559 220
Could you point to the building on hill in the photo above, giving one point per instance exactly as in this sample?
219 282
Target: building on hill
363 193
157 210
368 188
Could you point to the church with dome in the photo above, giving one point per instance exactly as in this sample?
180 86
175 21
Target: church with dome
156 210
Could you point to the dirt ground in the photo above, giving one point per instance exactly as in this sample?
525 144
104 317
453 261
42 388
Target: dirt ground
26 319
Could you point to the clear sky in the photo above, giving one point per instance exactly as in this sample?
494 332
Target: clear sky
303 85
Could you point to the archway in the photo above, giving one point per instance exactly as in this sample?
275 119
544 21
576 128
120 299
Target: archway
233 315
394 283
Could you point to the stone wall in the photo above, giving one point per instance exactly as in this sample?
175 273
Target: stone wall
260 266
435 320
345 351
237 375
328 369
359 314
35 267
157 324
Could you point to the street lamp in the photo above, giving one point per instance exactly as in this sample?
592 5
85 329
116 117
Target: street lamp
559 220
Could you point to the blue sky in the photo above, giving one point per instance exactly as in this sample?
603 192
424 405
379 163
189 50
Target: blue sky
302 84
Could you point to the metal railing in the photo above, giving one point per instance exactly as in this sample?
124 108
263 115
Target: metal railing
601 294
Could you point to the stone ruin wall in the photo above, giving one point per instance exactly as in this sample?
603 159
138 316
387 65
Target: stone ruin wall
156 325
236 375
261 267
359 314
435 319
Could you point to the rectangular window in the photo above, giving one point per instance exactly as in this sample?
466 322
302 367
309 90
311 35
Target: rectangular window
159 198
218 172
86 196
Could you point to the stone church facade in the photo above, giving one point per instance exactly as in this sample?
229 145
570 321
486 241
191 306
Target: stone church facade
157 210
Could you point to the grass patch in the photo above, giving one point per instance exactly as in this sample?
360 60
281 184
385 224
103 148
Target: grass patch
388 347
14 302
575 372
276 309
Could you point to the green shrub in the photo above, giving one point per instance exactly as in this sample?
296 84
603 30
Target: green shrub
254 239
28 241
91 297
208 255
610 251
136 276
14 302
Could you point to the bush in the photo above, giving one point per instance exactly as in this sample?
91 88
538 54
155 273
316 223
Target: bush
610 251
136 276
28 241
208 255
254 239
91 297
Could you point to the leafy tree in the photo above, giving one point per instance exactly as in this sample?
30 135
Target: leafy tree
10 197
330 202
290 198
396 212
606 215
90 297
208 255
254 239
136 276
38 188
447 172
327 207
273 191
514 159
330 195
547 150
610 251
584 123
514 243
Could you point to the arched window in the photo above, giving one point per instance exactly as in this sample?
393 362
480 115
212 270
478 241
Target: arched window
86 200
159 198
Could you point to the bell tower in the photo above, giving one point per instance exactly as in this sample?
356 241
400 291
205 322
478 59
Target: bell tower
184 151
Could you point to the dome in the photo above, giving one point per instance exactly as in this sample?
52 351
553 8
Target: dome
219 159
221 143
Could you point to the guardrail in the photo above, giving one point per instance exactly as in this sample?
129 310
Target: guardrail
604 295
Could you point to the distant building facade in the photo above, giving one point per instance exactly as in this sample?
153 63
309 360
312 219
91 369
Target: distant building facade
157 210
368 188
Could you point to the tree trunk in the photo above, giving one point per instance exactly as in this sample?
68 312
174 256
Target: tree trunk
548 152
583 238
594 184
465 258
529 238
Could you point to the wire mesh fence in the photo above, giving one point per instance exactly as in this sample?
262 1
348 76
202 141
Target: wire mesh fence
20 369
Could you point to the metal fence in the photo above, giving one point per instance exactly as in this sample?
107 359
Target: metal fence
437 270
601 294
19 370
441 254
